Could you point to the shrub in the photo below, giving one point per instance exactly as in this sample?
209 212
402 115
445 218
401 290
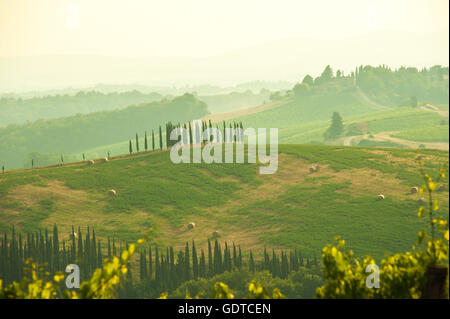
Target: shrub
402 275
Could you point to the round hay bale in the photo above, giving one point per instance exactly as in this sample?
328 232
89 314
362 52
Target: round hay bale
414 190
314 169
105 159
380 197
215 234
112 192
73 236
91 162
421 201
191 225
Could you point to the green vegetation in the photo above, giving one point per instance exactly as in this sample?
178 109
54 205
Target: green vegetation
81 132
421 272
336 128
20 111
372 143
430 134
399 87
291 209
160 271
404 275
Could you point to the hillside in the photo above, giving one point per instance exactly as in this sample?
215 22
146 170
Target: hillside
77 133
290 209
19 111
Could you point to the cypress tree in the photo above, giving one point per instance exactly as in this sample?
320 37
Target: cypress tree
156 264
202 267
251 263
99 254
109 248
194 261
146 142
235 260
210 260
150 262
187 268
153 140
190 134
130 147
160 138
224 137
137 143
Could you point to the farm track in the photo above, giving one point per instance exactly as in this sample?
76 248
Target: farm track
386 136
432 108
215 118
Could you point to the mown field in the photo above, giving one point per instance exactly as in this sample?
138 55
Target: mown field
290 209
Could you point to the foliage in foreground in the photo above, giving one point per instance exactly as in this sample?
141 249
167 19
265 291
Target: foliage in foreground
402 275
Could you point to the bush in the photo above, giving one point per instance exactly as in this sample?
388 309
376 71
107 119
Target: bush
401 275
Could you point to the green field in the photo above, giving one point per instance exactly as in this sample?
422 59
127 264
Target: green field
305 120
427 134
289 209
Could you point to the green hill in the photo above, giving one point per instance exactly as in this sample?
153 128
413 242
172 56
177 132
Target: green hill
74 134
290 209
19 111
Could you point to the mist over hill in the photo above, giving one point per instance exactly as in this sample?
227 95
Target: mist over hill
286 60
82 131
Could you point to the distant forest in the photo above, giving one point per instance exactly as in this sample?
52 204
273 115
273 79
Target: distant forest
18 110
77 133
400 87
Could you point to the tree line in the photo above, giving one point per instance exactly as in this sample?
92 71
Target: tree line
156 270
188 134
74 134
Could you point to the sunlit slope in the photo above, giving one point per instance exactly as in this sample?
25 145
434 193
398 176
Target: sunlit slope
292 208
305 120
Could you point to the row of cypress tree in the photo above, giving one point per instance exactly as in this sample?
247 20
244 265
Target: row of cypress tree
190 134
159 269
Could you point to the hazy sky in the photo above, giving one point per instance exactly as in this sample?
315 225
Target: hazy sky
198 27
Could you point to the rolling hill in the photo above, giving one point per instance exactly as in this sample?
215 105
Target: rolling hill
80 132
290 209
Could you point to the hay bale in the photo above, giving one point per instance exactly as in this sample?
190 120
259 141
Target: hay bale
91 162
314 169
421 201
105 159
215 234
191 225
441 188
112 192
380 197
414 190
73 236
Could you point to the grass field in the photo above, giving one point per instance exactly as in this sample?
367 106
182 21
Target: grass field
289 209
430 134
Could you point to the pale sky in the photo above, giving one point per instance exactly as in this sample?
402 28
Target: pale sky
198 28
